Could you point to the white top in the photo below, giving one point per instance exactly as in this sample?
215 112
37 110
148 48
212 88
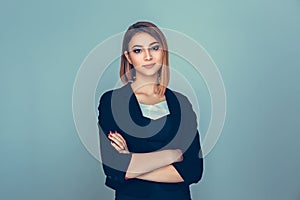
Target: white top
155 111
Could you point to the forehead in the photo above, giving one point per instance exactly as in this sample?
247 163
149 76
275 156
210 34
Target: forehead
143 39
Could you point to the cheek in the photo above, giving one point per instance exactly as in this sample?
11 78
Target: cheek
158 53
136 58
158 56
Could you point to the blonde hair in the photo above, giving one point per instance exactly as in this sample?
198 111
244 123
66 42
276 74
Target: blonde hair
127 70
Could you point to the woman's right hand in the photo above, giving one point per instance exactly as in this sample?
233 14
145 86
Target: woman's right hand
118 142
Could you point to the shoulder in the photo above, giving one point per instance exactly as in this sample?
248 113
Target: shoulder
184 107
178 100
172 94
107 95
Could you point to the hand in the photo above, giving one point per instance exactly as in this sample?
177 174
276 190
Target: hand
178 155
118 142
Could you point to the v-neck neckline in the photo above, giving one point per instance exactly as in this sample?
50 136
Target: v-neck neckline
139 107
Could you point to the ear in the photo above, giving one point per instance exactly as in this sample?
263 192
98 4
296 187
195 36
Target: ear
127 56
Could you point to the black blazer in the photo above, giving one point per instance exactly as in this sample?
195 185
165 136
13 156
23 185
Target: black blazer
119 111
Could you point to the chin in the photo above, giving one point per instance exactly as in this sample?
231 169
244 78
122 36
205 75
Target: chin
147 72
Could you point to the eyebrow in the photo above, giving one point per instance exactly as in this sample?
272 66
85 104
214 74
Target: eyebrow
142 45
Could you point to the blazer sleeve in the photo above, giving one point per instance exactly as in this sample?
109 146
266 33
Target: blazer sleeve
114 163
191 168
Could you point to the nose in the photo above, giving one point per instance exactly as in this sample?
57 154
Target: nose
148 55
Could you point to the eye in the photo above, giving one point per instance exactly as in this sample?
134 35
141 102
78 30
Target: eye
155 48
137 50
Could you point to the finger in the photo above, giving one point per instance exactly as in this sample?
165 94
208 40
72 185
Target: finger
116 137
120 137
119 140
115 140
116 146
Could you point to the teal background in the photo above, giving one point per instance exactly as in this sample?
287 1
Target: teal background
255 45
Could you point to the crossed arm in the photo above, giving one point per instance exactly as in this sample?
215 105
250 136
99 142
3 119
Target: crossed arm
160 166
166 174
160 169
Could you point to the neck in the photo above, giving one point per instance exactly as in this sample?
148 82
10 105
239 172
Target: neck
144 84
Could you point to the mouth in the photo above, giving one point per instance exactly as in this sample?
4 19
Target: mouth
149 66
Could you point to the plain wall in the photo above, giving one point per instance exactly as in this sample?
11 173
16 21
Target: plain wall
255 45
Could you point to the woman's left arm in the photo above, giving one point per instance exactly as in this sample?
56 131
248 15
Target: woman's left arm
189 170
167 174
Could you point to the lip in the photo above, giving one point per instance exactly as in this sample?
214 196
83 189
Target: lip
149 66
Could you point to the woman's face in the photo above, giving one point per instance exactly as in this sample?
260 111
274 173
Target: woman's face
145 54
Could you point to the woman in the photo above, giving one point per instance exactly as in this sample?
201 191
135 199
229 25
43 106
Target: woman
150 145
